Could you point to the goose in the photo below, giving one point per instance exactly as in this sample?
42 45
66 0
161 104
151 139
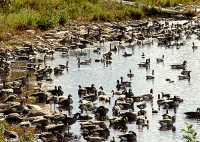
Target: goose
149 77
13 118
85 62
124 105
86 105
145 64
169 80
98 50
65 102
131 116
10 136
130 74
70 120
55 127
58 70
193 46
25 124
193 114
10 98
119 123
116 92
185 72
154 111
104 98
129 137
41 121
116 110
160 60
179 66
142 105
101 113
113 140
140 120
83 117
143 55
113 49
62 66
65 54
126 54
125 83
94 139
184 77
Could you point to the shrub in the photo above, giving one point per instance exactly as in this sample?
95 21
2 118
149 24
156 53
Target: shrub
44 23
62 20
135 13
189 133
22 19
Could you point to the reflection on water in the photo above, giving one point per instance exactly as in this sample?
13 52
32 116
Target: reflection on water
99 75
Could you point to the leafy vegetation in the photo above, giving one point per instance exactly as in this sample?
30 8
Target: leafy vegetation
189 133
45 14
166 3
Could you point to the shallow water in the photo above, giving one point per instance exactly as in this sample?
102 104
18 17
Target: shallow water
99 75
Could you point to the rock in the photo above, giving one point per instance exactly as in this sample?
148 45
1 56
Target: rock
7 35
31 32
11 136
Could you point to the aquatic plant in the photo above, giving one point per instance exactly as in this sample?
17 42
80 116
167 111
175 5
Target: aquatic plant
189 133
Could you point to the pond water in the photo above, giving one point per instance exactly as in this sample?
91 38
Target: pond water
98 74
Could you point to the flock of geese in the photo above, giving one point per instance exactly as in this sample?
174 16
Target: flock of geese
95 123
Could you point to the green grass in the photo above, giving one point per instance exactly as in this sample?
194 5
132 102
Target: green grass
189 133
45 14
166 3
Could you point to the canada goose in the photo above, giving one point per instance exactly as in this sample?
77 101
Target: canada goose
129 137
130 74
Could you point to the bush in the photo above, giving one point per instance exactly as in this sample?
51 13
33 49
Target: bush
4 4
22 19
62 20
152 11
189 133
44 23
135 13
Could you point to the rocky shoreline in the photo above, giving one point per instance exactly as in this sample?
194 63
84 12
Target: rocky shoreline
65 36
